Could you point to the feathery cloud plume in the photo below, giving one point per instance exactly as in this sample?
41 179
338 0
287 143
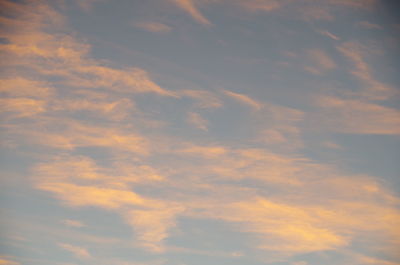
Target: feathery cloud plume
244 99
190 7
154 27
78 252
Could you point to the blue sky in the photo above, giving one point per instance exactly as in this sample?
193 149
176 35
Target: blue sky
188 132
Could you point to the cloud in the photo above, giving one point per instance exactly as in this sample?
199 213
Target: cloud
328 34
302 9
299 206
63 56
320 62
152 226
279 127
363 259
203 151
77 195
241 98
363 4
24 88
324 211
357 116
204 99
79 182
114 110
368 25
87 5
150 219
372 89
78 252
196 120
356 112
331 145
285 203
284 228
286 136
305 9
155 27
67 134
190 7
21 107
73 223
8 262
261 5
5 260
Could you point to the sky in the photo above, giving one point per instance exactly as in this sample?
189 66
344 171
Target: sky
194 132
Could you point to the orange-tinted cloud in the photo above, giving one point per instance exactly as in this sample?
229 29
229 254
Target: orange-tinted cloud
73 223
154 27
198 121
21 107
320 62
372 88
8 262
357 116
285 203
79 252
244 99
260 5
21 87
152 226
204 99
190 7
328 34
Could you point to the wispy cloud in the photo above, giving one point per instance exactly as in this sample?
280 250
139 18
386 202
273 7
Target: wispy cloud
198 121
85 123
73 223
190 7
305 9
78 252
320 62
5 260
372 88
357 116
261 5
278 127
368 25
328 34
154 27
79 182
204 99
21 107
244 99
152 226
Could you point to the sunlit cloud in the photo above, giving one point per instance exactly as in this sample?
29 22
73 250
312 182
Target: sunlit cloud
79 252
328 34
154 27
244 99
90 132
8 262
73 223
204 99
372 88
320 62
152 226
368 25
261 5
198 121
190 7
4 260
356 116
21 107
